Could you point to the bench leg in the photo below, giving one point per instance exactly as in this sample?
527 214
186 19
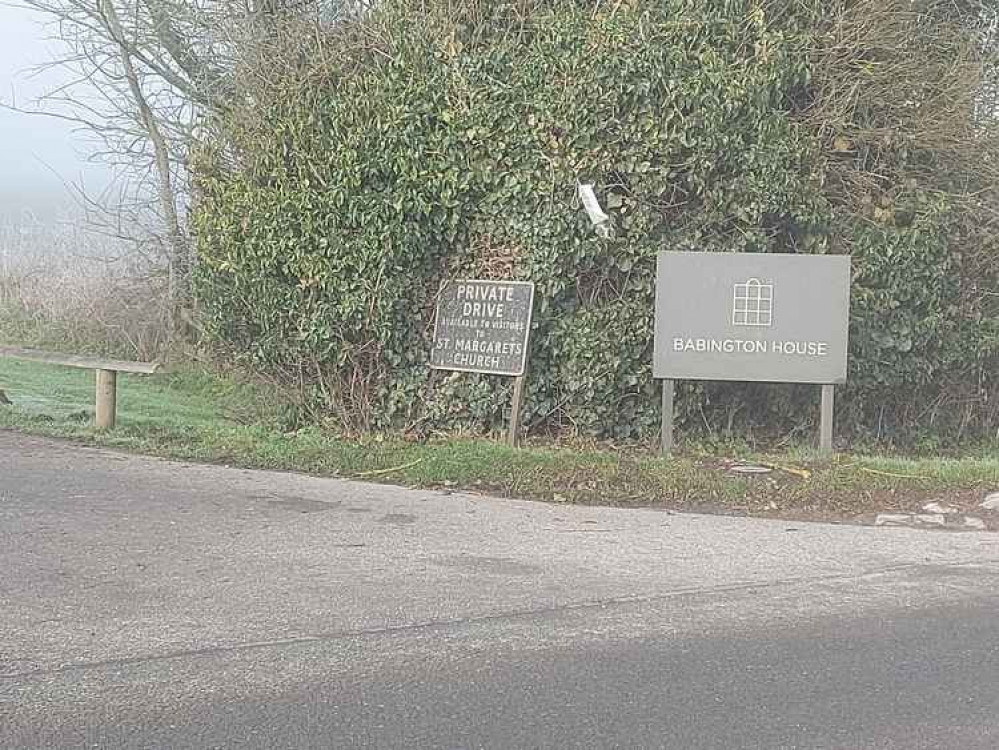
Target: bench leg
107 398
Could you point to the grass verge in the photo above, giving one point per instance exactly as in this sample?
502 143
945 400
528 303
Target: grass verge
200 417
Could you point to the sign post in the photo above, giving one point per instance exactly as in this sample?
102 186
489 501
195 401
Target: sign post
485 326
516 407
667 425
753 317
826 420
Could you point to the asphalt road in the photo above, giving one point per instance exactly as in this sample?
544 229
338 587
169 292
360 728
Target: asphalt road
150 604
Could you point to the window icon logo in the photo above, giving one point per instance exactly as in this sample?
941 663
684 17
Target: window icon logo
753 304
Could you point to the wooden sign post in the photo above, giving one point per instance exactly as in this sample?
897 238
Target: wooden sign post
485 326
516 409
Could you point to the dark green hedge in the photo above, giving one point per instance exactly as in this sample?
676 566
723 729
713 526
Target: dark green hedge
418 145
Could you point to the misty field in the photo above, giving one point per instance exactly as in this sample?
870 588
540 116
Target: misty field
66 287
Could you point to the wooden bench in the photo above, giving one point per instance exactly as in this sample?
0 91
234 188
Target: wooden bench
107 376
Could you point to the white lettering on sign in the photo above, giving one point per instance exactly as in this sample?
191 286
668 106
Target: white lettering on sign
801 348
482 309
477 292
460 359
488 347
741 346
497 325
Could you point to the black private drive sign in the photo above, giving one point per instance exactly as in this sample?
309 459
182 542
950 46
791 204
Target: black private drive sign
483 326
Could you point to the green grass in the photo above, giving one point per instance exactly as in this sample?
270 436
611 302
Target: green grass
201 417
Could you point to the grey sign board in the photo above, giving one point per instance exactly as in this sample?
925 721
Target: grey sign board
752 316
483 326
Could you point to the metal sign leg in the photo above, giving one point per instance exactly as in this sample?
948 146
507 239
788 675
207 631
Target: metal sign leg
667 423
826 420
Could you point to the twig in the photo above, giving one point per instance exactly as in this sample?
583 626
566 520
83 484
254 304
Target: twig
380 472
891 474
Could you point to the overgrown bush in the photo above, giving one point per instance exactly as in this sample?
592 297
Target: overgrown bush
430 140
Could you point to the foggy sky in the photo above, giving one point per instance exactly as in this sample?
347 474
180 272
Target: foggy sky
37 154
